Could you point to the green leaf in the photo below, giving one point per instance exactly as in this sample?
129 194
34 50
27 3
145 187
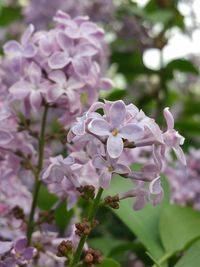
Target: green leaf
191 258
144 224
182 65
179 227
109 263
9 14
162 16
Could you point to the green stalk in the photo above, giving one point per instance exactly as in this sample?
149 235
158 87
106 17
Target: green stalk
90 217
41 144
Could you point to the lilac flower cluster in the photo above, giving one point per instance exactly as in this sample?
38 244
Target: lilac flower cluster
16 253
100 145
40 12
184 181
59 66
56 73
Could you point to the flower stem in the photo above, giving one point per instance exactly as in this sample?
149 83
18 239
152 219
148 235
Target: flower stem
90 218
41 144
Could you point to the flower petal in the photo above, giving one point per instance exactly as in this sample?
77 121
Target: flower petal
132 132
59 60
117 113
180 155
99 127
104 179
114 146
99 162
169 119
58 76
5 137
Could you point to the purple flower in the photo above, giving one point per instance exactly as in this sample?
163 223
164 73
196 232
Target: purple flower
22 253
71 53
116 129
25 49
172 138
107 168
31 87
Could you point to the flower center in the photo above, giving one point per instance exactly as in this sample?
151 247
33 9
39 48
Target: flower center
115 132
110 168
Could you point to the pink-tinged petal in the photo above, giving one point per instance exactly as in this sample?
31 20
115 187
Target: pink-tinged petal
99 162
27 34
169 119
65 43
122 169
29 51
61 17
105 179
89 28
58 76
74 84
34 73
29 253
105 84
99 127
5 137
53 93
20 89
21 244
131 132
86 50
155 186
180 155
5 246
154 129
35 99
68 161
114 146
59 60
82 67
117 113
157 157
140 202
12 48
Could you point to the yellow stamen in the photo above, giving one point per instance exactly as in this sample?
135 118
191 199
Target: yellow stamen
115 132
110 169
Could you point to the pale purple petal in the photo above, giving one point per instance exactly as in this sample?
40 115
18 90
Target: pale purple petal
27 34
5 137
65 42
86 50
21 244
114 146
34 73
122 169
105 84
28 253
59 60
35 99
53 93
99 127
12 47
140 202
104 179
131 132
5 246
58 76
29 51
20 89
169 119
82 66
117 113
180 155
155 186
99 162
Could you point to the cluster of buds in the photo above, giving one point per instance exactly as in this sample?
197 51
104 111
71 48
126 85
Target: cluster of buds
92 257
85 227
112 202
87 192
